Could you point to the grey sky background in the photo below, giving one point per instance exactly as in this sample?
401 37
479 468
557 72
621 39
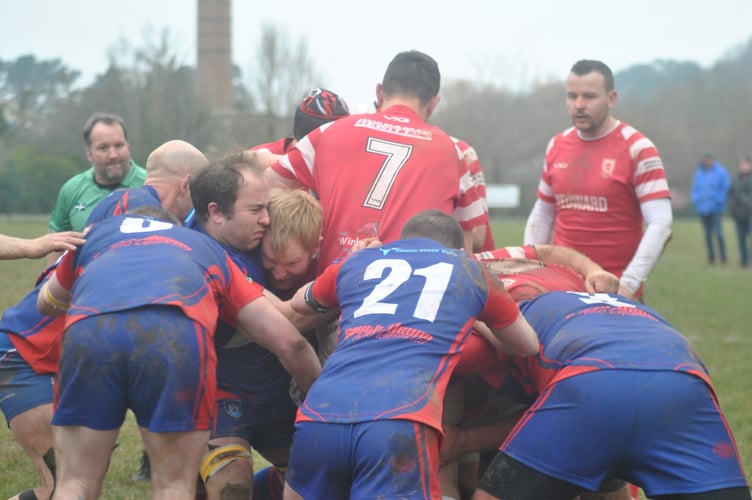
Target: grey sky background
510 44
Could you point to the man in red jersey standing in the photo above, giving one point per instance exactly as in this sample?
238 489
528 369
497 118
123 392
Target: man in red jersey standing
602 181
374 171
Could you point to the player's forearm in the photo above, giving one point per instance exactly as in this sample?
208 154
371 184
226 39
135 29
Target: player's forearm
646 257
261 322
302 317
301 362
540 223
567 257
22 248
461 441
53 300
469 240
479 238
13 248
659 218
517 339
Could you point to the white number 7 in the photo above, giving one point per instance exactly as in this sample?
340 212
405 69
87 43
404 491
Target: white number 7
396 157
398 272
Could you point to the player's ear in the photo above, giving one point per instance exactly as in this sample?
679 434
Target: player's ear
432 104
379 97
185 185
215 213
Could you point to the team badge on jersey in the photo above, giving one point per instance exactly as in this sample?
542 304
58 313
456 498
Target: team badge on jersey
607 167
232 408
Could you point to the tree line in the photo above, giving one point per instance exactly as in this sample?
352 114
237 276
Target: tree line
684 108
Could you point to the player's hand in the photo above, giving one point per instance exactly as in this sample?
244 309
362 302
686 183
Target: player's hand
54 242
366 243
601 281
626 292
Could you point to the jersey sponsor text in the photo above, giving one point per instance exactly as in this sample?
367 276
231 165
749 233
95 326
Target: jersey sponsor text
588 203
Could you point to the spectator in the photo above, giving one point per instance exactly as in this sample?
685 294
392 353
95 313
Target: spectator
320 106
108 152
157 335
373 171
602 181
740 207
709 191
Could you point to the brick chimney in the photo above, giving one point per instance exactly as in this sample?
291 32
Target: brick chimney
214 54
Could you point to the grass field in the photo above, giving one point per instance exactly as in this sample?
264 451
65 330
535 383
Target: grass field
711 305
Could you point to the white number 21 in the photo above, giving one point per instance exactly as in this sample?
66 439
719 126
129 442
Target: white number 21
398 271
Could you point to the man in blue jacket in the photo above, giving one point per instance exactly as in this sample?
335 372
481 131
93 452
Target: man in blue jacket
709 190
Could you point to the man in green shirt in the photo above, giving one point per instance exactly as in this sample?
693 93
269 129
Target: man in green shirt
108 152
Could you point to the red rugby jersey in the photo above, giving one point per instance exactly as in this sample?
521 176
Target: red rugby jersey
597 186
372 172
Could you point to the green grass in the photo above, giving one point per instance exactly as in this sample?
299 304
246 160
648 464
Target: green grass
711 305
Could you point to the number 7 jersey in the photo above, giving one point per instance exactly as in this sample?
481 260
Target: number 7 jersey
407 309
372 172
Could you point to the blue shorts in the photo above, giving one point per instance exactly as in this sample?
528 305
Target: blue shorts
661 430
269 427
21 388
382 459
153 360
253 400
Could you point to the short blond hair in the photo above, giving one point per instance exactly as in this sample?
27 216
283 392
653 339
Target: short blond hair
294 214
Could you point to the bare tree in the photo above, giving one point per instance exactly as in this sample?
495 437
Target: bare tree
284 72
27 89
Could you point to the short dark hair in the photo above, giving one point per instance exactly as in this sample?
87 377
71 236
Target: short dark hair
436 225
412 73
219 182
106 118
585 66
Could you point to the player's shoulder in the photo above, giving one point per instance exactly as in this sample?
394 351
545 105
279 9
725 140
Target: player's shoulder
566 136
79 181
631 135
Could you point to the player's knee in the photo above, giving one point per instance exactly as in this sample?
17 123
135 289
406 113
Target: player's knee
232 491
222 456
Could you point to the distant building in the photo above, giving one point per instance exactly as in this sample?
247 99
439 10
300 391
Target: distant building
214 55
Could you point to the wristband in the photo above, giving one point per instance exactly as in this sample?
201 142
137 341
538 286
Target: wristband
313 303
57 304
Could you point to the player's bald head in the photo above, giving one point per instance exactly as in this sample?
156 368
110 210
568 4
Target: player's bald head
175 158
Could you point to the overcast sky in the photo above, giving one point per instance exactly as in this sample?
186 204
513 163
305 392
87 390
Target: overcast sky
352 41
